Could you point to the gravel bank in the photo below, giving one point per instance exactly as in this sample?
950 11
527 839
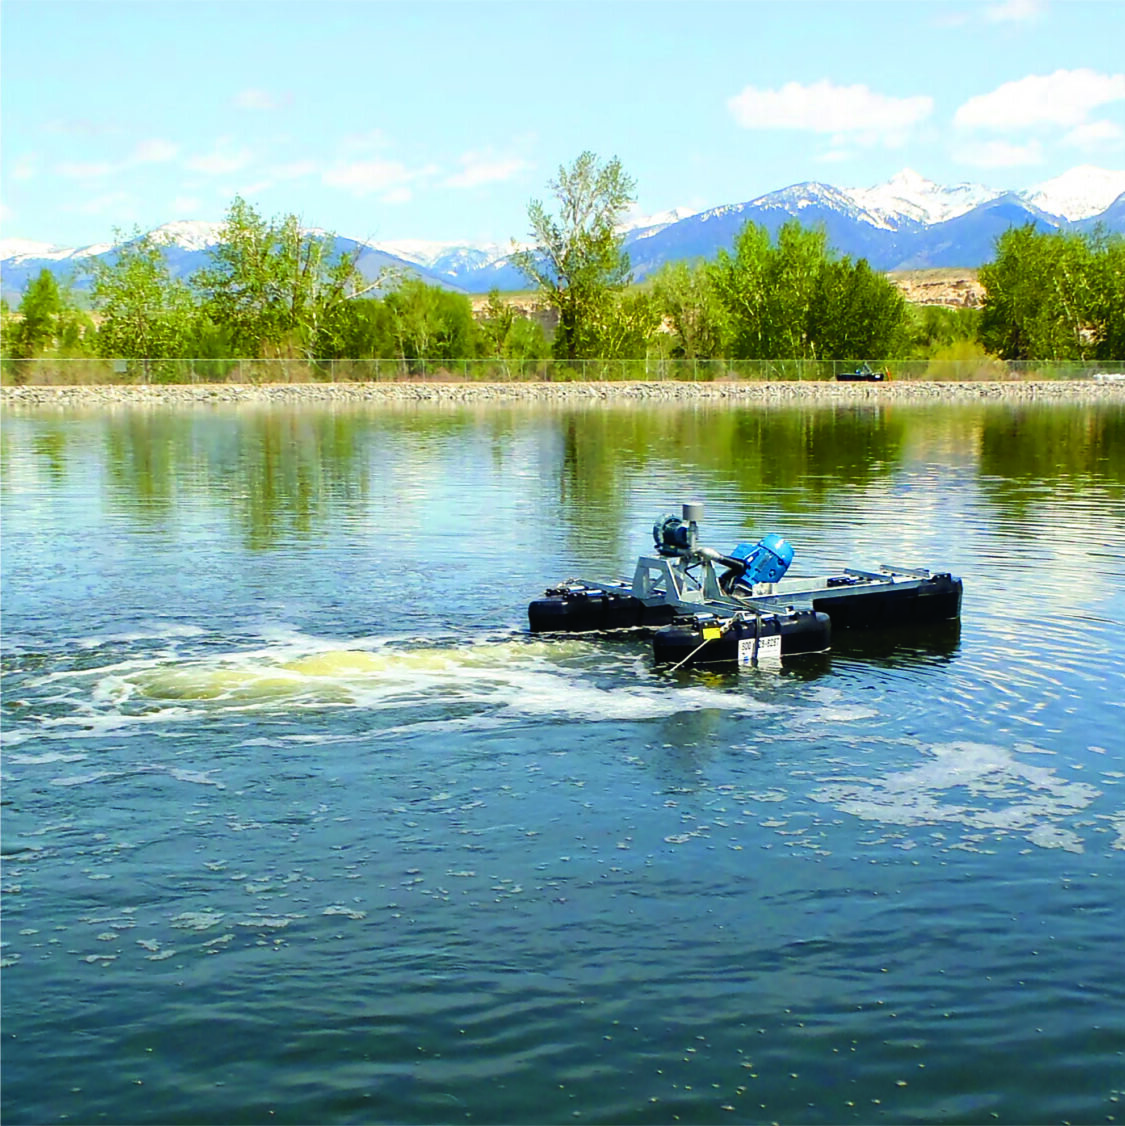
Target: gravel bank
562 393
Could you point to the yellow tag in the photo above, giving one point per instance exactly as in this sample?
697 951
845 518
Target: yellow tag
710 633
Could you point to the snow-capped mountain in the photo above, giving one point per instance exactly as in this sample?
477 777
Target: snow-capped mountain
908 222
184 234
650 224
1081 193
446 254
17 250
911 196
189 234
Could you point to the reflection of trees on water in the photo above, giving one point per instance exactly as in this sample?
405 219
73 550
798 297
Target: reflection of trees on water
294 469
50 452
816 451
146 455
1057 445
281 473
290 473
780 455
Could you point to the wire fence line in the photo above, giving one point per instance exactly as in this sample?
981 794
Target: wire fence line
71 372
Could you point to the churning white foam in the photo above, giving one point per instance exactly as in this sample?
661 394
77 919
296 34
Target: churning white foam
978 785
478 683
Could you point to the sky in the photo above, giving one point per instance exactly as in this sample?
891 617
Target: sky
395 120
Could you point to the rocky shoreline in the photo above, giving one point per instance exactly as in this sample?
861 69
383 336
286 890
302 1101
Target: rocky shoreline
748 393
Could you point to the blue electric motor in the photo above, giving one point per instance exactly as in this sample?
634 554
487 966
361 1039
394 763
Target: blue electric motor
766 561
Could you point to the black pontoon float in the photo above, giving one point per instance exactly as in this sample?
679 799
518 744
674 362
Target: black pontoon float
746 612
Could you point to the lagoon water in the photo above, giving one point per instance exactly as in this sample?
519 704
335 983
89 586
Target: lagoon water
300 825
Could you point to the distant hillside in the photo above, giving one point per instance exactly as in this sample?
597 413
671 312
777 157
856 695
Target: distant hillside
183 261
908 223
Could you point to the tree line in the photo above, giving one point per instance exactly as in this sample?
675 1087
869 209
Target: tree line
271 289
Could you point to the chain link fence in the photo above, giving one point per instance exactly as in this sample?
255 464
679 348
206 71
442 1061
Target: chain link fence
75 372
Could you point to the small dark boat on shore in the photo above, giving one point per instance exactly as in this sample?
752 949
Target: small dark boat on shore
862 374
704 608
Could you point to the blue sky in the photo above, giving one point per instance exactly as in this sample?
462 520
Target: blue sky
392 120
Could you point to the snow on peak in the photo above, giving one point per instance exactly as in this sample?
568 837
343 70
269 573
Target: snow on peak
909 180
1079 193
27 248
910 195
425 253
17 250
659 219
190 234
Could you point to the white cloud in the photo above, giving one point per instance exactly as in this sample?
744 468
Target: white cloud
294 170
221 162
1095 135
484 168
1064 98
24 168
365 176
249 191
1005 11
857 112
186 205
88 170
1000 154
1015 11
255 99
155 151
364 142
81 127
121 203
391 180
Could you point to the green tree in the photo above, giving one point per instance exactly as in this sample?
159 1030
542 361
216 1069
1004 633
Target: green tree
856 313
527 341
1108 300
38 316
430 324
577 260
47 320
276 287
508 334
145 313
624 325
7 327
686 300
795 299
741 283
933 329
496 324
1041 296
365 330
795 282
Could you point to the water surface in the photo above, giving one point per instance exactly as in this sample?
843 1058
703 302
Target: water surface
300 825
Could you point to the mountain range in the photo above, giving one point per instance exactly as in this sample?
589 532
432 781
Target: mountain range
907 223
